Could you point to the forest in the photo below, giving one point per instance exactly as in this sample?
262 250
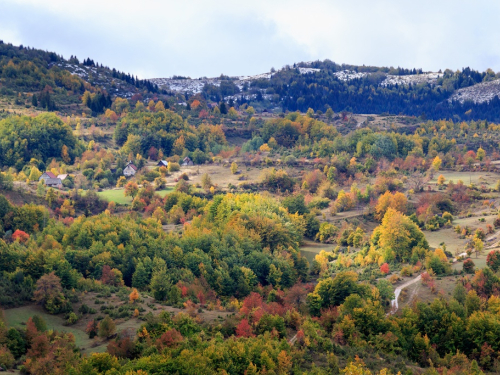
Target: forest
167 233
320 90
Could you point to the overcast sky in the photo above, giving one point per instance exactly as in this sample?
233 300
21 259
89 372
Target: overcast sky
153 38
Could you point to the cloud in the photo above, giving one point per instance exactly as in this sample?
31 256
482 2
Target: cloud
206 38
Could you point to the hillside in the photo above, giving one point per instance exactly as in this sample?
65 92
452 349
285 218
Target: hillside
41 80
358 89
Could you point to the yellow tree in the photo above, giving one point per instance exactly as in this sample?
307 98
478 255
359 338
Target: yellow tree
179 145
441 180
65 154
34 174
480 155
396 201
436 163
159 106
234 168
134 296
121 182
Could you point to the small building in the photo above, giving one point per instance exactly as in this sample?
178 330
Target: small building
47 175
162 163
187 161
62 177
54 183
129 170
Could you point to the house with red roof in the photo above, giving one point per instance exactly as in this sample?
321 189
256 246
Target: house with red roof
129 170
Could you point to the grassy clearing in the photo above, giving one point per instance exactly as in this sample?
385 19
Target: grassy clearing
118 196
477 178
309 249
453 244
165 191
115 195
18 317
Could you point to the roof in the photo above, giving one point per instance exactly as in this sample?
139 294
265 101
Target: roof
187 158
163 162
62 176
131 166
50 174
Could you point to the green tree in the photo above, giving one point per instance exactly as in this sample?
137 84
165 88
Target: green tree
386 290
40 189
206 181
107 327
141 276
334 291
51 196
160 284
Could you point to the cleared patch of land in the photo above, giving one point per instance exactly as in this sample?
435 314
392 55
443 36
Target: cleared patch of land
118 196
477 178
310 249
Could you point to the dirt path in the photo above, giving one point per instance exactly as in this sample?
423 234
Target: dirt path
397 292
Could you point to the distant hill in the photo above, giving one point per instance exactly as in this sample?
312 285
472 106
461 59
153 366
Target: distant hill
460 95
58 83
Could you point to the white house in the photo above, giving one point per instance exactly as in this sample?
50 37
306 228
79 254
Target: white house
187 161
130 170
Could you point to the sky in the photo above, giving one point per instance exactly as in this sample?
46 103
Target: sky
196 38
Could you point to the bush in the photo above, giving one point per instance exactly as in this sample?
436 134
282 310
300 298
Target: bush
493 260
71 318
6 358
384 268
407 271
469 266
173 167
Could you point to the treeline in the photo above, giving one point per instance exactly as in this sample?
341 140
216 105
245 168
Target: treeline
143 131
139 83
321 90
25 69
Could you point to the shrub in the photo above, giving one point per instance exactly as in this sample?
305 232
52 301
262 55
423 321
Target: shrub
384 268
493 260
469 266
407 271
173 167
72 318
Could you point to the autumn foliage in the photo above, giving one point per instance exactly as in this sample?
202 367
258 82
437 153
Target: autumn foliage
384 268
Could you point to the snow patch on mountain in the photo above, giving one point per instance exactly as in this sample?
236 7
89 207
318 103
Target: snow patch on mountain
480 93
308 70
413 79
195 85
349 75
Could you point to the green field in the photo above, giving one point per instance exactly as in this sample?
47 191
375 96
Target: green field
18 317
115 195
310 249
118 196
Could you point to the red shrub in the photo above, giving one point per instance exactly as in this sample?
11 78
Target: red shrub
20 236
122 348
384 268
170 338
243 329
